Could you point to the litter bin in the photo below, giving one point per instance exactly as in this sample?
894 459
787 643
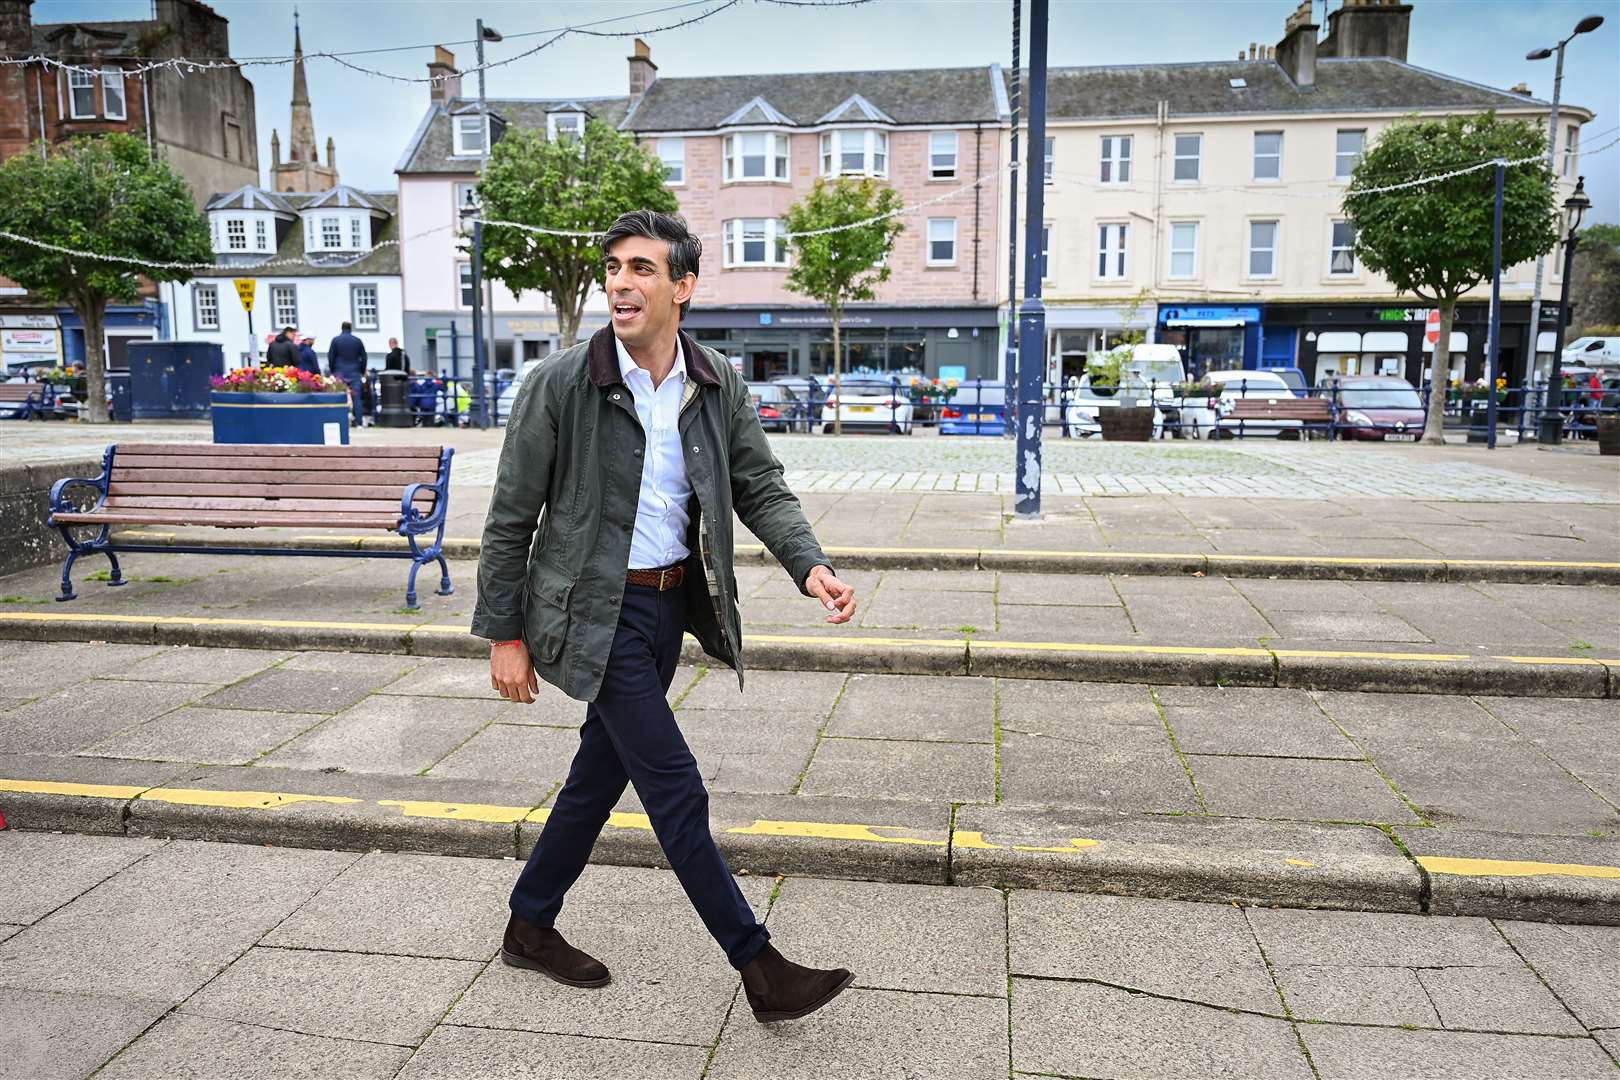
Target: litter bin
392 411
123 403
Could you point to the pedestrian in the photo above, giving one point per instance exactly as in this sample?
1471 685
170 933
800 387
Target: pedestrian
346 358
397 359
283 350
637 445
308 359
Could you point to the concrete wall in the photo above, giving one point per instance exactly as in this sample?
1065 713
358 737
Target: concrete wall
25 539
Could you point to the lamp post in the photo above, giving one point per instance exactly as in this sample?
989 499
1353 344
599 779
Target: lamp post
1585 26
1032 312
1552 413
482 289
469 213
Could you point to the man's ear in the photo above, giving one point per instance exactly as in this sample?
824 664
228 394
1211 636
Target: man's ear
685 287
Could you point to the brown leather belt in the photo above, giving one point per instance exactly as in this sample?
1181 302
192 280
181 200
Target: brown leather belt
662 580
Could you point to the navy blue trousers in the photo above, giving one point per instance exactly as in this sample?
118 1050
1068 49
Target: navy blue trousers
630 736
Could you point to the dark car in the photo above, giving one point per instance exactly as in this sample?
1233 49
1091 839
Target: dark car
1378 407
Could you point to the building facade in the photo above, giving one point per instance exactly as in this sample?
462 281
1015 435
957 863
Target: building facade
1201 204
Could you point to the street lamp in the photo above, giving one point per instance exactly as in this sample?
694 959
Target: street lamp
1585 26
469 213
481 341
1552 419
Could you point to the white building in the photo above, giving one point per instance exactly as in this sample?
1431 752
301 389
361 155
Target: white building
317 261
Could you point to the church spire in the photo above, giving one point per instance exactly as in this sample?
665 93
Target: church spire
302 168
300 83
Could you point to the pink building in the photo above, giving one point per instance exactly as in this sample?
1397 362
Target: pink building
739 150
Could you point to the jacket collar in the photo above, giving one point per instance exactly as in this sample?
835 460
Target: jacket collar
604 360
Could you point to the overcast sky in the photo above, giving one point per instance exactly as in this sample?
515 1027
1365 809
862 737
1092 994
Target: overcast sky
371 118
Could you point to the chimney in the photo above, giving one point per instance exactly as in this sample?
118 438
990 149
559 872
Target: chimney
643 72
1252 50
1520 88
275 148
1368 28
16 28
1296 52
331 153
446 86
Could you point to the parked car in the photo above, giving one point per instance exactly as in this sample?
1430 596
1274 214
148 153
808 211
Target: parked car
508 393
1087 400
1378 407
1204 415
783 404
977 408
867 402
1294 377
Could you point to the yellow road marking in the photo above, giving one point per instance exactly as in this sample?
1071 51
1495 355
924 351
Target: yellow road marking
1443 864
240 800
823 830
458 811
1300 862
86 791
1354 654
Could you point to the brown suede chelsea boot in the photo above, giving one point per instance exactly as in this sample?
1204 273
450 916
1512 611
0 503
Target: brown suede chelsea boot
542 949
779 989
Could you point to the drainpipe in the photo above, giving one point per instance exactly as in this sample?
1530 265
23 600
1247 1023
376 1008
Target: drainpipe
146 107
1158 210
39 98
978 175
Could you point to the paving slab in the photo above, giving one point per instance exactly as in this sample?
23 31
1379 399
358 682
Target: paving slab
183 913
341 995
183 1047
56 1036
1032 622
1582 736
458 1053
1137 1037
79 716
301 690
388 734
923 609
1343 994
1302 938
1121 766
406 905
1547 878
1505 999
1252 721
1369 1053
36 668
921 771
39 872
1303 788
769 692
871 1035
671 982
930 939
918 707
758 760
1087 590
1197 952
504 750
1580 963
455 677
182 663
206 736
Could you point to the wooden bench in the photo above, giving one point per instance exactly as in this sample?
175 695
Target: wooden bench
24 400
1309 413
401 489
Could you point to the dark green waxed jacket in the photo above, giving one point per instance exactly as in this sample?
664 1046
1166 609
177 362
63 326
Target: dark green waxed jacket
557 539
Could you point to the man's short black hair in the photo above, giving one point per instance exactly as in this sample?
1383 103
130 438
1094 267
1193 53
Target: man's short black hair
347 328
685 250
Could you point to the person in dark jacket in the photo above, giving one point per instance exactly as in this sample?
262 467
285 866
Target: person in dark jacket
398 359
283 351
346 358
308 359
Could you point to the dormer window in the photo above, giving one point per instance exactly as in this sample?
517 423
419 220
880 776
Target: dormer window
565 127
331 233
235 234
855 153
756 155
469 130
335 230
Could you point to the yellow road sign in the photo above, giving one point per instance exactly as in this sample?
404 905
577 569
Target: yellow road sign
244 289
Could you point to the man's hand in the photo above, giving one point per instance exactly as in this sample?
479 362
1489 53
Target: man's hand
511 673
835 596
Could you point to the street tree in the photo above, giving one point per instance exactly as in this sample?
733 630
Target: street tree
1594 286
103 194
839 267
1434 239
572 186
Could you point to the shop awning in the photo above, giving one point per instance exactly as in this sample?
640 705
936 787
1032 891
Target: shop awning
1386 341
1338 341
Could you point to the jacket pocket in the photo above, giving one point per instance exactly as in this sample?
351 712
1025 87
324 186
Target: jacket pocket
547 617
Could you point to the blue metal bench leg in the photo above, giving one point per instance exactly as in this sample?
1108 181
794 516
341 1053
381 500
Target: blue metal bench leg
118 577
410 585
445 588
67 575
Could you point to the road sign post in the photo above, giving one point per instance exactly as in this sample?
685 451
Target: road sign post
245 289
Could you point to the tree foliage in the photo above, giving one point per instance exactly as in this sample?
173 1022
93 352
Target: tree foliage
1594 287
838 268
1434 240
573 185
103 194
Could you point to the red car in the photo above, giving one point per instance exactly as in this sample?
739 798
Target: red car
1378 407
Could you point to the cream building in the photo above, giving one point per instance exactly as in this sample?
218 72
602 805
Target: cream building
1200 203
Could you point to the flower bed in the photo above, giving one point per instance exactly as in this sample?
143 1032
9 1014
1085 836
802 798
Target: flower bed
277 380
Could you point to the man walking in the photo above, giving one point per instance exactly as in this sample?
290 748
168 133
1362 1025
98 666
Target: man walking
346 358
637 446
283 350
308 360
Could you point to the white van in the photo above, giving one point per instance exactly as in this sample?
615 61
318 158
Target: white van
1595 352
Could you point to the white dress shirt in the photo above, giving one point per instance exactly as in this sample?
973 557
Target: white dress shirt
661 509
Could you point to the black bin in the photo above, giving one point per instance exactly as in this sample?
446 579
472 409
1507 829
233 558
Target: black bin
392 411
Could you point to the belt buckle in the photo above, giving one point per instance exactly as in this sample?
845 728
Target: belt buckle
661 575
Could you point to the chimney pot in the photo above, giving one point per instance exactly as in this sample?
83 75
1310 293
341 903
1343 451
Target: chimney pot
446 84
643 72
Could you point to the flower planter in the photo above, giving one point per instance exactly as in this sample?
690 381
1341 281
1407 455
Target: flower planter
1126 423
320 419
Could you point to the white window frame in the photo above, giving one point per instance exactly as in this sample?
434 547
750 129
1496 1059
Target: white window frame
1115 159
202 298
672 152
236 234
778 166
78 81
1196 157
575 130
332 241
112 83
1249 248
737 233
357 233
1334 247
941 225
1256 156
1572 148
464 124
261 235
282 316
1192 250
1113 259
464 283
1049 159
874 151
941 145
1048 233
360 321
1342 168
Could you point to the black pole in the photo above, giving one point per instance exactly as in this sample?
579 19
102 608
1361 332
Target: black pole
479 416
1032 313
1552 410
1009 379
1496 313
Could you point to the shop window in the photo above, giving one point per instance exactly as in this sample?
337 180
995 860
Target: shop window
1262 249
1111 240
1183 249
1347 150
1268 155
756 155
1116 159
1189 159
1342 257
942 155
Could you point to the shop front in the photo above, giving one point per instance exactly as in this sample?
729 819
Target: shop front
769 343
29 340
1074 332
1214 337
442 341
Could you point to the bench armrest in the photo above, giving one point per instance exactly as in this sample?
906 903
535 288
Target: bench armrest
100 483
412 520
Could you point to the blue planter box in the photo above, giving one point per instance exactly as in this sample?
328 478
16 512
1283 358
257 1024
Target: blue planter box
305 419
